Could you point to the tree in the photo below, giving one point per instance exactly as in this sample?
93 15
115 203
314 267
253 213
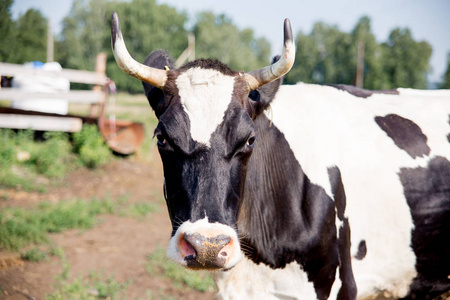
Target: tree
31 37
306 57
83 35
328 55
218 38
145 25
22 40
446 83
406 62
325 56
374 76
6 30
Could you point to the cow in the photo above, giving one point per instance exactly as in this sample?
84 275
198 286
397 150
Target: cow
300 191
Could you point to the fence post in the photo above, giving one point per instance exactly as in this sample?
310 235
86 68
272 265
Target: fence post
50 43
100 68
360 65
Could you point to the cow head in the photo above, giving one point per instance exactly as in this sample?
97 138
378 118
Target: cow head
205 137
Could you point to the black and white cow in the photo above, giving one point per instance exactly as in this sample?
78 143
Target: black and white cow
303 191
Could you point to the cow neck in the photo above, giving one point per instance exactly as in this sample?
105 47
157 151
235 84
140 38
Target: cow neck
282 213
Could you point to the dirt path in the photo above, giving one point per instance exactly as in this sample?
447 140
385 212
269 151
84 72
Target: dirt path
118 246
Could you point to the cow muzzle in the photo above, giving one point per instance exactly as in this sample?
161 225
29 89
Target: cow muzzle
203 252
203 245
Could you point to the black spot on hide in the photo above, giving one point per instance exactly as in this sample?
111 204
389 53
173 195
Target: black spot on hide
348 288
362 93
362 250
405 134
427 191
337 188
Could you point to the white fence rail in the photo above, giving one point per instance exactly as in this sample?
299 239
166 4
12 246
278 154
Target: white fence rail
52 123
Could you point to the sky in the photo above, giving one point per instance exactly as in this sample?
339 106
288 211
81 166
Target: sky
428 20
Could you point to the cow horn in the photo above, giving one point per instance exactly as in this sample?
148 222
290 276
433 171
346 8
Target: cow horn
153 76
259 77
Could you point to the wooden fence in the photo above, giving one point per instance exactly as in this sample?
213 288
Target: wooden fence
16 118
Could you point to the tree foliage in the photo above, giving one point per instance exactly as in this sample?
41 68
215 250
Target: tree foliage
325 55
22 40
31 37
6 30
406 62
446 79
374 76
328 55
83 36
146 26
218 38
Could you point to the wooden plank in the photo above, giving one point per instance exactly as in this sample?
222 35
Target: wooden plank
79 76
75 96
44 123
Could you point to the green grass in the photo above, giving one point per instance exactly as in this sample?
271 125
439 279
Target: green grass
94 286
139 210
21 179
20 227
32 164
90 147
91 288
158 263
35 254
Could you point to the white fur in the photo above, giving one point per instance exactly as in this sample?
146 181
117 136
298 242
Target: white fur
208 229
254 282
205 95
328 127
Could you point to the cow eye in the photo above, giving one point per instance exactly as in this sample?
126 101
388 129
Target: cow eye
161 140
251 141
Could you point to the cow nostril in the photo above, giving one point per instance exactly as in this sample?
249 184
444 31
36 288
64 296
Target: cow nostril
186 249
190 257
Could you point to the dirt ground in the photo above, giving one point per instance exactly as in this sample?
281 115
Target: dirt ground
117 246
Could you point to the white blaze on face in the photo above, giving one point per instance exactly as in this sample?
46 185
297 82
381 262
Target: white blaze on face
205 95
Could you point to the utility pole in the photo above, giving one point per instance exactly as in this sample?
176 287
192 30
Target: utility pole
189 53
50 57
360 64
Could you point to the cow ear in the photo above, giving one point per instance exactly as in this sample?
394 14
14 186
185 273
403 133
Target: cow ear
261 98
161 60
